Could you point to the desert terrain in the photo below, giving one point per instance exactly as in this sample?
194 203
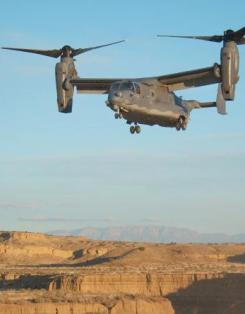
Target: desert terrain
45 274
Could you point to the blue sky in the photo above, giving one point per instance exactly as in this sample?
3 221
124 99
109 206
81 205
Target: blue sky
66 171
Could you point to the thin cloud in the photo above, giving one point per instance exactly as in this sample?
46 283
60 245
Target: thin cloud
149 220
66 219
14 206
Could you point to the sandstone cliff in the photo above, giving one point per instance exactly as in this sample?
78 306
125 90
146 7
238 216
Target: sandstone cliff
45 274
125 305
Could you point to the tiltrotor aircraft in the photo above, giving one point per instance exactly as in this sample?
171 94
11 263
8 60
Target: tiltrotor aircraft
151 100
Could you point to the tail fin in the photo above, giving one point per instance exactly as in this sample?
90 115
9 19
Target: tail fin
220 101
219 104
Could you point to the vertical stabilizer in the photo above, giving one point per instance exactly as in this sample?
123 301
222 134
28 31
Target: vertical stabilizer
220 101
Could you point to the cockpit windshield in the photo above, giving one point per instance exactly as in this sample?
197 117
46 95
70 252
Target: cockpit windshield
126 86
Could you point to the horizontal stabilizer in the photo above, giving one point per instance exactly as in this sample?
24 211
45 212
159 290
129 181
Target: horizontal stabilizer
219 104
207 104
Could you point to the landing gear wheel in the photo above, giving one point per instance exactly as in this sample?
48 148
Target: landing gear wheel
178 127
184 127
137 129
132 129
118 115
181 124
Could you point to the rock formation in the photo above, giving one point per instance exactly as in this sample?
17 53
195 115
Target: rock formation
42 274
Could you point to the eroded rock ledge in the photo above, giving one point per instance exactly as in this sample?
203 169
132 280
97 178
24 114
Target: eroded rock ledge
42 274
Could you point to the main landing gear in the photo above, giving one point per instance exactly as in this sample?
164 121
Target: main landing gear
181 123
135 129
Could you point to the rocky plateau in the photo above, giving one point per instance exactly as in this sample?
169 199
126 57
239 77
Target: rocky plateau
46 274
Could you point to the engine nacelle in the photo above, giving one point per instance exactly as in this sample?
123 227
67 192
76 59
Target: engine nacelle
64 71
229 69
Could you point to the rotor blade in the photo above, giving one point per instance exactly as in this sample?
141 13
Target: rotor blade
239 34
49 53
215 38
83 50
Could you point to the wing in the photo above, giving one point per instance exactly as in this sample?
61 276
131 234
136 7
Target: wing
93 85
176 81
194 78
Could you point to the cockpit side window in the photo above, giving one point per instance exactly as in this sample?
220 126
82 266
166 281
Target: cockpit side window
115 86
178 100
136 88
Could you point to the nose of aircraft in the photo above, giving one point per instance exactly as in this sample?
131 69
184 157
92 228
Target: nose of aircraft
114 99
118 94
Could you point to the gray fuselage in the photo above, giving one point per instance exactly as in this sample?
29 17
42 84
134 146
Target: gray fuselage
147 103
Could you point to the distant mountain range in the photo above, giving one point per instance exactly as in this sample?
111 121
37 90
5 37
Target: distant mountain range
151 233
